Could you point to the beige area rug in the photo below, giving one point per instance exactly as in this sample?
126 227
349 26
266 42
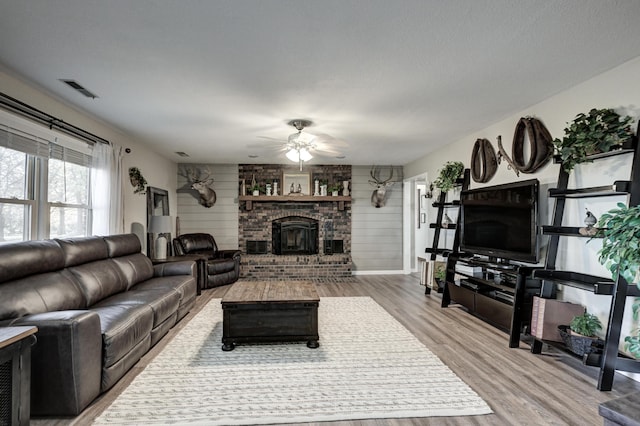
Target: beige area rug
367 366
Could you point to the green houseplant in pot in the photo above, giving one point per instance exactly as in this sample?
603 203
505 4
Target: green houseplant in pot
440 273
256 189
620 254
580 335
449 173
600 130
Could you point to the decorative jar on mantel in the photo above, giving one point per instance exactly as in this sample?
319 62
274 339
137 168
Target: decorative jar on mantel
345 189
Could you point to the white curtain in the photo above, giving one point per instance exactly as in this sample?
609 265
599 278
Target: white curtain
106 190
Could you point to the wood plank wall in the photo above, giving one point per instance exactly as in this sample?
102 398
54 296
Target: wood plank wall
376 233
220 220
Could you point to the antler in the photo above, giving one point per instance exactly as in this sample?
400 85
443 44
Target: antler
390 176
196 175
377 181
372 172
205 177
188 173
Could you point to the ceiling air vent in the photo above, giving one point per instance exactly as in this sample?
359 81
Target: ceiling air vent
76 86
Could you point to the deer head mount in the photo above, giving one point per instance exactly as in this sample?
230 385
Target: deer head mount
378 197
202 182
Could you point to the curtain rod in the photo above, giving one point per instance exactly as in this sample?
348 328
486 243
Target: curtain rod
35 114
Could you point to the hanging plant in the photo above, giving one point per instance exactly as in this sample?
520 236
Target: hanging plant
137 180
598 131
632 342
620 253
448 175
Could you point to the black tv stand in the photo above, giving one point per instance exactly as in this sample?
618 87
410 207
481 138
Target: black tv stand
499 293
502 266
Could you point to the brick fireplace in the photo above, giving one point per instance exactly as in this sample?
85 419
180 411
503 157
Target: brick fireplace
317 241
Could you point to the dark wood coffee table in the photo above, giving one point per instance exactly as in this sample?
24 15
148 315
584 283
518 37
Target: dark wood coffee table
270 311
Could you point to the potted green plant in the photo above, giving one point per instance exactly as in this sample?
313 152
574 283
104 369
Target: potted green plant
580 335
449 173
585 325
335 188
255 189
440 273
620 254
600 130
137 180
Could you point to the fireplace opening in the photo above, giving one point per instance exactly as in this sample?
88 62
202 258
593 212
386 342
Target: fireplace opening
294 235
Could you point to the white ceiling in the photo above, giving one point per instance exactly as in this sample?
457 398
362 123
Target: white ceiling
389 81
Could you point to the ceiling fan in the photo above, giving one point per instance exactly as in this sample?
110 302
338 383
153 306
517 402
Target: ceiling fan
302 146
299 144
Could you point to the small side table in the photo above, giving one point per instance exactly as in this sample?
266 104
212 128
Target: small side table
201 267
15 374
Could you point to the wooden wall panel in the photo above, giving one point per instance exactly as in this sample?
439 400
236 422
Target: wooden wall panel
376 243
220 220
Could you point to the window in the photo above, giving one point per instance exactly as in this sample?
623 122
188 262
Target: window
16 201
44 188
68 195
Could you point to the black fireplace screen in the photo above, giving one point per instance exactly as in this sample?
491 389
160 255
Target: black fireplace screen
295 235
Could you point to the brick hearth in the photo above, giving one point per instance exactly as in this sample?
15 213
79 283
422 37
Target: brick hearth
255 225
270 266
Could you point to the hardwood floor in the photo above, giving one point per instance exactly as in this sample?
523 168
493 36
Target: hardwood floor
521 388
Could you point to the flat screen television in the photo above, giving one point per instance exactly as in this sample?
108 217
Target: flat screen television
501 221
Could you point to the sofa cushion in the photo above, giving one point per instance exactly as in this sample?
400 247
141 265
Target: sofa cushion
123 327
36 294
29 258
82 250
99 280
122 245
135 268
162 301
185 285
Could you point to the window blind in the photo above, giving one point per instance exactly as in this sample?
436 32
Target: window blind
19 141
24 142
69 155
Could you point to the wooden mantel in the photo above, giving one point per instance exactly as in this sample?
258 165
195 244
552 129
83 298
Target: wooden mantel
250 199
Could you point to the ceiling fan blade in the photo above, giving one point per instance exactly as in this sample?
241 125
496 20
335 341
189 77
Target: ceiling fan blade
273 139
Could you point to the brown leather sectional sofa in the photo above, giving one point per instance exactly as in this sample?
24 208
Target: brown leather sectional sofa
99 305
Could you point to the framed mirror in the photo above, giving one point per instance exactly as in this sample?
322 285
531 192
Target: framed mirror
157 205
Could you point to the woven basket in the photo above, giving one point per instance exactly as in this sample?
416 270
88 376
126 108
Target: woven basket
579 345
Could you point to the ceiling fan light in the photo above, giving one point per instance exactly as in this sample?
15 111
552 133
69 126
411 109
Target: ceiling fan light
305 155
293 155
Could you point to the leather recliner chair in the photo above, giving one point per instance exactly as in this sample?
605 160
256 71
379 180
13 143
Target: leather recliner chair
223 266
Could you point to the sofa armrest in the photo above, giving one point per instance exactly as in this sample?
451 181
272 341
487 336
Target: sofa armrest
184 267
66 361
229 254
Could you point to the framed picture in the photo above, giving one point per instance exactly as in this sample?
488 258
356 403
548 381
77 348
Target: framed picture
296 184
157 205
